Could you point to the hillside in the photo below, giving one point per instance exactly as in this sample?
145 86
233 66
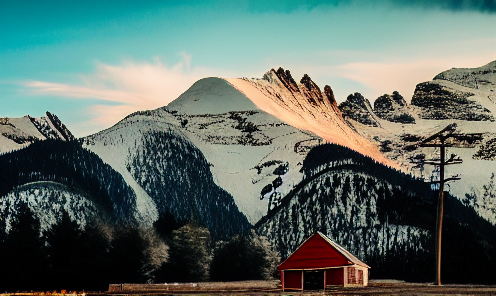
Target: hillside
384 217
169 174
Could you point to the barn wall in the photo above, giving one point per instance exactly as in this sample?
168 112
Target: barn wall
356 276
334 277
292 279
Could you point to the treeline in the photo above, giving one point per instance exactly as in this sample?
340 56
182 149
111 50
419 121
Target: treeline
68 257
327 156
169 168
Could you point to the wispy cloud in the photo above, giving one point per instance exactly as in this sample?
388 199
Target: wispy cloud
126 88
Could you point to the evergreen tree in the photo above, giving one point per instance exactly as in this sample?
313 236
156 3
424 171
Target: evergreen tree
64 251
22 264
127 256
244 257
189 254
93 273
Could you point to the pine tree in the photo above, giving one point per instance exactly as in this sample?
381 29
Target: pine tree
189 254
244 257
22 264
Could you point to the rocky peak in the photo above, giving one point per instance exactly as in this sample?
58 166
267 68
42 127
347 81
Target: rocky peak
51 127
398 99
393 108
286 79
358 108
63 130
330 96
358 100
311 90
20 132
306 89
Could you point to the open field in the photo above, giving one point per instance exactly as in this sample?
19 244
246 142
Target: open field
376 287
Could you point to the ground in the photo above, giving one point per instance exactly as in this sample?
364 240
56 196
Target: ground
376 287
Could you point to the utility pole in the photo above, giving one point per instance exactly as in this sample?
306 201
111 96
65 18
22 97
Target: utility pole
447 137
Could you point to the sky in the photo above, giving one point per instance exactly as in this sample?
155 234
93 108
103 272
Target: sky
93 62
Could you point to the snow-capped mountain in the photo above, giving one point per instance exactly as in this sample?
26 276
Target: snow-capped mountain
242 145
168 173
273 153
16 133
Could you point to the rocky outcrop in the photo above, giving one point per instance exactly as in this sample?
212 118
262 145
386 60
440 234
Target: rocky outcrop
441 102
477 78
358 108
286 78
487 150
330 96
307 87
393 108
60 127
311 90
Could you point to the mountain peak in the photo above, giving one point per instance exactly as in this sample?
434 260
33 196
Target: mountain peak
286 78
211 96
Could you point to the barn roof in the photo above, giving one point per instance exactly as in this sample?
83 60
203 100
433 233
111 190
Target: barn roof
318 252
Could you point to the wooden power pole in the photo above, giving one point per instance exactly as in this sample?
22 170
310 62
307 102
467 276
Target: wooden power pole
447 137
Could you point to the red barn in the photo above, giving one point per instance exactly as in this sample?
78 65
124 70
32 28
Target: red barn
319 262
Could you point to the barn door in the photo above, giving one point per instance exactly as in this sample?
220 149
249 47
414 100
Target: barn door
313 280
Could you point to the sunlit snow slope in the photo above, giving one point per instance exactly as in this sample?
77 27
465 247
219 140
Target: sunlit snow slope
305 107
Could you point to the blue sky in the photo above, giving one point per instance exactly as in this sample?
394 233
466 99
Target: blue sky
93 62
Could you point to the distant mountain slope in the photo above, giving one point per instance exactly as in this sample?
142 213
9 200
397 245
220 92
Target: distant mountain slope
16 133
466 97
482 78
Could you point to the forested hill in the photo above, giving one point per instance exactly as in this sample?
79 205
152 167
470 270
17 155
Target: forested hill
384 217
85 177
